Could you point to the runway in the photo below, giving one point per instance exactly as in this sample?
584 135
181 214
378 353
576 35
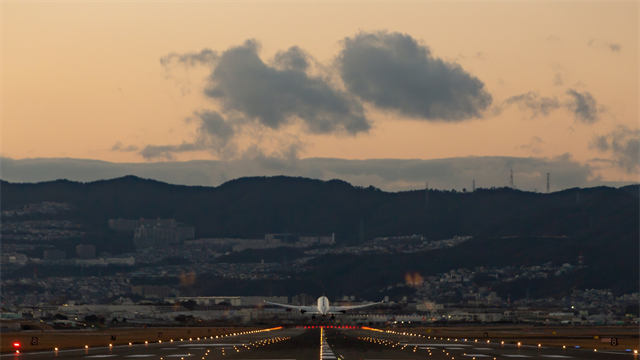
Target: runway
374 345
325 344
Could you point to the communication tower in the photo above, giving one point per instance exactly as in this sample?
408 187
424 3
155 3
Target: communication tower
548 183
426 196
473 186
511 179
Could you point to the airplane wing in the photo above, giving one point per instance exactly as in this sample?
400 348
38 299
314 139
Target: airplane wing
309 309
345 308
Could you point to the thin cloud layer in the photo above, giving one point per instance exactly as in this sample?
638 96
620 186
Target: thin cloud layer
623 146
386 174
394 72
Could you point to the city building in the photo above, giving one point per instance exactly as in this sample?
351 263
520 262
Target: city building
53 255
86 251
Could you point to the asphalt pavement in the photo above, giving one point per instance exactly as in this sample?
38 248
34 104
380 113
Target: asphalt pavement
325 344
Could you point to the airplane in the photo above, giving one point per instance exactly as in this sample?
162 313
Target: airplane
323 307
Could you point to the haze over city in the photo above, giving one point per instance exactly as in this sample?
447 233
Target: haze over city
384 94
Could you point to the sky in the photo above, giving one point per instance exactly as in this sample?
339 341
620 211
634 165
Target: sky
390 94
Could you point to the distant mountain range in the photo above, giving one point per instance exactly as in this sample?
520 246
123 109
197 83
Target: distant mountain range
510 227
251 207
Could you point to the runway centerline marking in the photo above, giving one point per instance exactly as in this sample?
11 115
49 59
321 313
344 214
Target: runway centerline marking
428 344
180 355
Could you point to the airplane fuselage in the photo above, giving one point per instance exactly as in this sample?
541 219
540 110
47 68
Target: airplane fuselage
323 305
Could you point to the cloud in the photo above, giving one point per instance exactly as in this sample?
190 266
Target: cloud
533 102
387 174
294 58
583 106
213 134
603 44
394 72
118 147
204 57
533 145
275 97
623 146
167 151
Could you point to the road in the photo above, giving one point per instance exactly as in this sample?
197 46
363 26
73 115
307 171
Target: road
325 344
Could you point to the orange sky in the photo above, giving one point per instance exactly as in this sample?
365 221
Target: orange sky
78 77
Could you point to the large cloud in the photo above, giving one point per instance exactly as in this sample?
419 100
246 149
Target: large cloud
255 96
623 145
395 72
387 174
274 96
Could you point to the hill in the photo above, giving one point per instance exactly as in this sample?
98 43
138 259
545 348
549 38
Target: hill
251 207
510 227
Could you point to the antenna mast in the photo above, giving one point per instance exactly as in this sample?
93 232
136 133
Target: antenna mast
511 179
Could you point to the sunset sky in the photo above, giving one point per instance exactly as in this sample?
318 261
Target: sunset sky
447 91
